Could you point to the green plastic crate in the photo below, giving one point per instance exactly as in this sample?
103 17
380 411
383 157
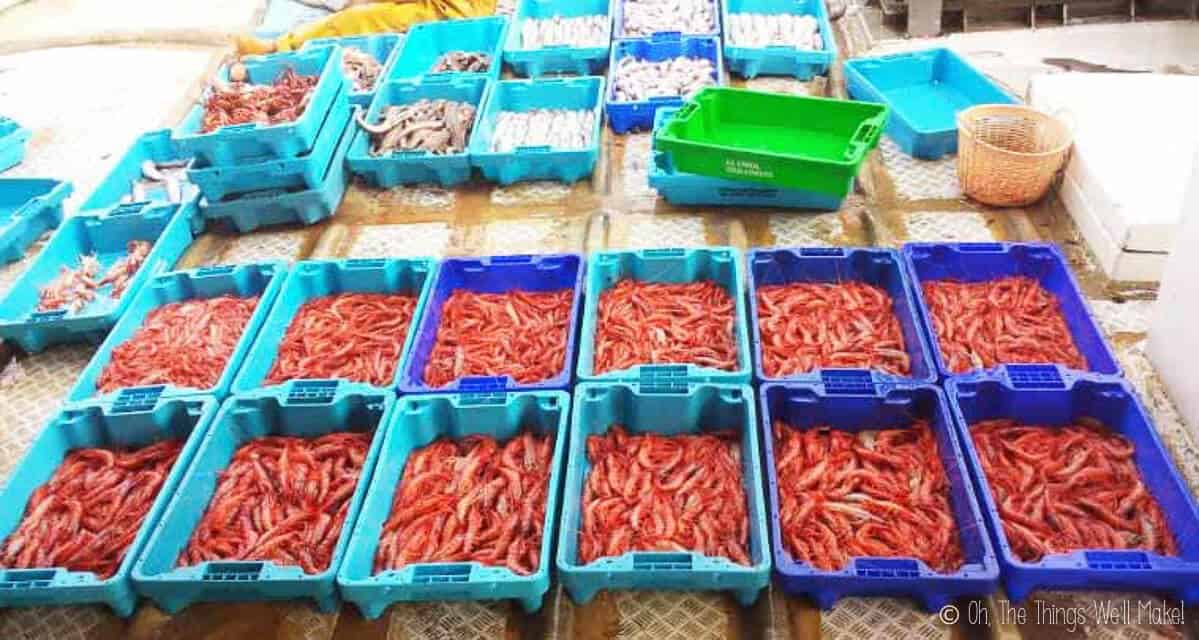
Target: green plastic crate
792 142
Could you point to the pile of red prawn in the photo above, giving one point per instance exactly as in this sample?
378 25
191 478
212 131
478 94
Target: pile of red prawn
185 343
1009 320
521 334
239 102
664 493
1060 489
87 515
470 500
283 499
879 494
813 325
74 288
353 336
656 322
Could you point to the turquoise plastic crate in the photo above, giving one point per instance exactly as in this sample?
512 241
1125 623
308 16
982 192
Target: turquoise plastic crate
253 141
690 189
582 61
538 163
316 278
96 425
263 280
12 143
428 41
750 62
249 211
303 172
720 264
408 167
417 422
240 420
167 227
667 410
384 47
29 207
152 146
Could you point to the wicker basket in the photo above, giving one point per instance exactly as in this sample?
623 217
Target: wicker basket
1009 155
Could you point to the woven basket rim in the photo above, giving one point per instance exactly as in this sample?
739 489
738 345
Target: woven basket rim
1015 109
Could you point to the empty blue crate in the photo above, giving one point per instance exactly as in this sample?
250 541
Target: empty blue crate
106 237
666 410
409 167
983 261
778 60
303 172
534 62
925 91
719 264
252 141
627 116
240 420
313 279
689 189
96 426
152 147
866 406
622 31
538 163
417 422
882 268
262 280
1038 395
383 47
494 274
427 42
29 207
12 143
251 210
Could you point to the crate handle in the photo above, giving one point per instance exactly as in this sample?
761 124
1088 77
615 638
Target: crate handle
225 571
441 77
481 384
655 254
1034 376
29 578
663 379
818 252
685 112
1118 560
662 562
365 263
848 382
494 399
980 247
536 148
313 391
128 209
237 128
886 568
442 574
137 399
660 99
47 316
516 258
666 36
204 272
863 136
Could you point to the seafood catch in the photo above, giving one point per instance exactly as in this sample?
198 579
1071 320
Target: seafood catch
436 126
559 129
240 102
637 80
360 67
462 61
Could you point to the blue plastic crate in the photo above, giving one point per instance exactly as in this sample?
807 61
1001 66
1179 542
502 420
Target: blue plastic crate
303 172
152 146
408 167
166 226
416 422
240 420
384 47
494 274
90 426
750 62
428 41
982 261
667 410
1035 394
619 32
689 189
249 211
317 278
263 280
29 207
857 404
253 141
538 163
883 268
12 143
627 116
925 90
582 61
720 264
